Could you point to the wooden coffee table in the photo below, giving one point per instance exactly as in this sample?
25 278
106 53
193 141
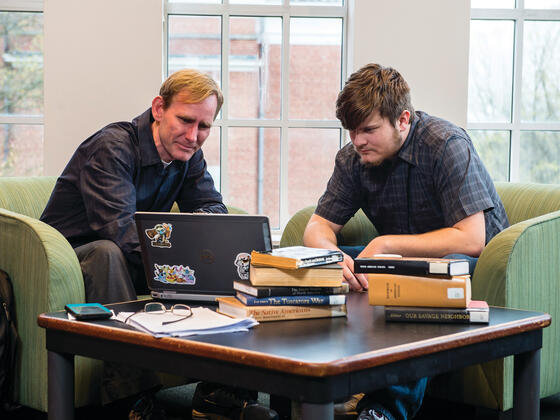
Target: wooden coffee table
314 362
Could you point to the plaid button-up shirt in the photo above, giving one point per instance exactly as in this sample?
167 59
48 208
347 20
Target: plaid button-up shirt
436 180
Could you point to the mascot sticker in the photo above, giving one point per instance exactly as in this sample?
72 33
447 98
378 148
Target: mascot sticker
174 274
242 262
160 235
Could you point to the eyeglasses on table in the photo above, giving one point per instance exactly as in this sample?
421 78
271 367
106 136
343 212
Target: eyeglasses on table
181 310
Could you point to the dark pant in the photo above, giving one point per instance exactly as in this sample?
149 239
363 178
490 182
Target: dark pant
399 402
109 278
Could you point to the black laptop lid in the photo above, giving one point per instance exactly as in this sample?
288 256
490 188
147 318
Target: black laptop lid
199 253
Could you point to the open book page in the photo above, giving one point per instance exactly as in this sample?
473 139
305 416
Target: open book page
203 321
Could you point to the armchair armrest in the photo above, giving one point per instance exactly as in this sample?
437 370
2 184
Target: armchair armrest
46 274
520 268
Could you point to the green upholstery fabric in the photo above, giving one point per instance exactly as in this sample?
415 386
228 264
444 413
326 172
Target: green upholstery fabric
519 268
357 231
27 196
231 209
46 275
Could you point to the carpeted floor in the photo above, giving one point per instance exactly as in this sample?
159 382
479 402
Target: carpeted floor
176 402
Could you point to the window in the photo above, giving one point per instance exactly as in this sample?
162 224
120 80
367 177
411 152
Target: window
280 64
21 88
514 91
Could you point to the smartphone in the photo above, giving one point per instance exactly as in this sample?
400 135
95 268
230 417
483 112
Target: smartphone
84 311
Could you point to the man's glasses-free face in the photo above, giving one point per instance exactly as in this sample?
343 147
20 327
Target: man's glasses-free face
180 310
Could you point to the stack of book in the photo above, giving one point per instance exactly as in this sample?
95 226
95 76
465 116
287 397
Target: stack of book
422 289
290 283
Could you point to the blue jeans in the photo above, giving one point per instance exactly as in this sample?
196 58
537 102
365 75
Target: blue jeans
399 402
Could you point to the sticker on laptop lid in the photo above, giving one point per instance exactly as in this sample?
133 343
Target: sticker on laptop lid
174 274
242 262
160 235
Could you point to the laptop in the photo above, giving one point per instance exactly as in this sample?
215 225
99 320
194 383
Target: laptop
197 256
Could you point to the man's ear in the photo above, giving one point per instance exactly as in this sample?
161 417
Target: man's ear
404 120
157 108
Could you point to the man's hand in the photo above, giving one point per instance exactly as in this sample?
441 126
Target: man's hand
320 233
357 282
378 245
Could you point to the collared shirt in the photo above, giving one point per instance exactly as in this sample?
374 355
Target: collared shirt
118 171
436 180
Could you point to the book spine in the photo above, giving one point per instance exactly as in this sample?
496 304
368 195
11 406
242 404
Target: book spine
310 277
458 316
409 268
277 313
401 290
264 291
317 261
292 300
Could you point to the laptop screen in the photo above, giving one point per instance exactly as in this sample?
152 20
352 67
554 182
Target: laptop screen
189 255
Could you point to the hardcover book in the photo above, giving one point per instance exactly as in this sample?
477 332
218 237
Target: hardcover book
412 266
401 290
477 312
323 276
294 257
292 300
232 307
266 291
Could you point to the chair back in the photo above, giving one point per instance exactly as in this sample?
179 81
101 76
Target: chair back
357 231
26 195
524 201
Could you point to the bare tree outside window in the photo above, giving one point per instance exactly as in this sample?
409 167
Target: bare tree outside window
514 92
21 93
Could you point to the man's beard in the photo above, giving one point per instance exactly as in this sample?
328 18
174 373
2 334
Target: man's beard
381 160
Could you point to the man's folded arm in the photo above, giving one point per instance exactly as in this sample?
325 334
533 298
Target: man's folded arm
467 237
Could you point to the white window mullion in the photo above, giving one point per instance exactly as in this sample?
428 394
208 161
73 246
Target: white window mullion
284 132
21 119
515 146
224 178
21 5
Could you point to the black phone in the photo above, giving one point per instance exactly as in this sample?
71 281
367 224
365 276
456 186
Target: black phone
86 311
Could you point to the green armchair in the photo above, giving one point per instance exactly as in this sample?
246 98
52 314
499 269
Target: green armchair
46 275
519 268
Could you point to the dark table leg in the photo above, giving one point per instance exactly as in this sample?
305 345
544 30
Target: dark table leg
526 385
282 405
317 411
61 386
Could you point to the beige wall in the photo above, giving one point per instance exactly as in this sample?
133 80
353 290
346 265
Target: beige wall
103 63
427 41
103 60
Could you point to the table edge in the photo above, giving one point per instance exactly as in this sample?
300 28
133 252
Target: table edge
294 366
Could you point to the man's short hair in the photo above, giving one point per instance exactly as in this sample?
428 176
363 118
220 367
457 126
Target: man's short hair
373 88
199 86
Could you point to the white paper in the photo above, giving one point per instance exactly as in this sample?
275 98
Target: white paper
203 321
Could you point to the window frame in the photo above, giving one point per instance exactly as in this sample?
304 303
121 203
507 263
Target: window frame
34 6
223 122
519 15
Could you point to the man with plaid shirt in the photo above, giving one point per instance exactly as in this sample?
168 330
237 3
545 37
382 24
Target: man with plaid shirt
420 182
